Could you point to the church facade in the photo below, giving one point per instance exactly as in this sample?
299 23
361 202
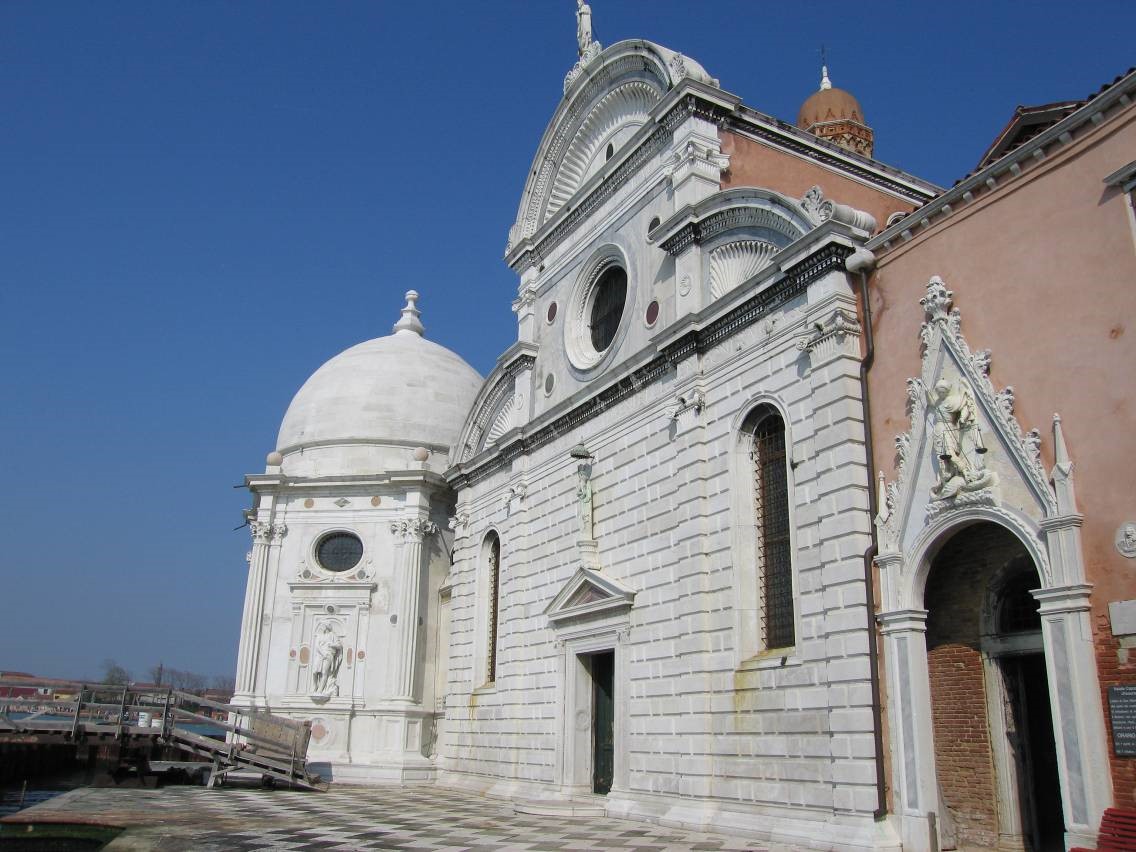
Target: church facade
656 564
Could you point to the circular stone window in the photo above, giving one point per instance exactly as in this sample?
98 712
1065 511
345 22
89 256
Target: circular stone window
596 312
339 551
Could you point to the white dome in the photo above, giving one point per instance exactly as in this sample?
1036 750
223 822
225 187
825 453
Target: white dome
401 390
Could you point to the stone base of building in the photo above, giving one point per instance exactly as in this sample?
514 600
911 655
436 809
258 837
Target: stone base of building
397 769
803 830
811 830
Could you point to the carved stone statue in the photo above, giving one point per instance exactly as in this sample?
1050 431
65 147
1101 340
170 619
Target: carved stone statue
583 26
328 658
584 501
957 440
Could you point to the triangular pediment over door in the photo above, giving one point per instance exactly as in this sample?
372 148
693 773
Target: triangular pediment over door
589 594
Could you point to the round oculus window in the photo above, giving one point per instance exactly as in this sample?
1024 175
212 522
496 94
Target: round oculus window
339 551
594 315
609 297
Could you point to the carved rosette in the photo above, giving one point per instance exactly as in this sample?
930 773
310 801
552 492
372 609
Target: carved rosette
413 528
262 531
943 322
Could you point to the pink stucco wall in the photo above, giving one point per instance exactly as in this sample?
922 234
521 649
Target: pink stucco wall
756 164
1044 272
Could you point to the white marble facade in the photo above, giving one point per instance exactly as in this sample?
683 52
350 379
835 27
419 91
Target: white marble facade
737 302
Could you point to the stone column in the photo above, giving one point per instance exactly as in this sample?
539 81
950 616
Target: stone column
404 651
251 621
1078 713
909 714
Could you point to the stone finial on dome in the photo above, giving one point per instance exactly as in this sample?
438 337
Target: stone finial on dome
825 83
410 324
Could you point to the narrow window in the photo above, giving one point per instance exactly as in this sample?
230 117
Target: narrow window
494 567
771 519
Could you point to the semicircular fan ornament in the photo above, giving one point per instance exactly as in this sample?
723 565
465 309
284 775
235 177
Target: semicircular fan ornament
737 262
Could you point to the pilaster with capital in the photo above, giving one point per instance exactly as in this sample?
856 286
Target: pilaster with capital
409 534
264 534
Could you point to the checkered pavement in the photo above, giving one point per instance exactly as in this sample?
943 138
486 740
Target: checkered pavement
178 819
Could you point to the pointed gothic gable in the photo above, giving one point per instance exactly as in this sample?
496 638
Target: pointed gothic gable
589 594
964 447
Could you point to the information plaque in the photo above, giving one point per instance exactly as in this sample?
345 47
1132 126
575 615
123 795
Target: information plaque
1122 711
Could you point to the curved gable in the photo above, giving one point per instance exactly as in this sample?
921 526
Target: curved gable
604 106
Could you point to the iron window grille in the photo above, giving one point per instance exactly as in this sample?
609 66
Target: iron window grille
494 591
771 519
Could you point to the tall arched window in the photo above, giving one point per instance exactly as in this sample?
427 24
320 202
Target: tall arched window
771 520
492 552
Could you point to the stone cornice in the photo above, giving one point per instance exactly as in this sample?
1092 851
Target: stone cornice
1010 166
697 335
277 483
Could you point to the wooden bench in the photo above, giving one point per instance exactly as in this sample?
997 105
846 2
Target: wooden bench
1117 832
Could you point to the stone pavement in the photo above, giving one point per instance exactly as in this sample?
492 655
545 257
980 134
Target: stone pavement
234 819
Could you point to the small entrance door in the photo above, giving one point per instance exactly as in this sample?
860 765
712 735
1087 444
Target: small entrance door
603 721
1035 752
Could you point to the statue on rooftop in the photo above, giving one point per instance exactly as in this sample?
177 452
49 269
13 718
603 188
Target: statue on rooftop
583 26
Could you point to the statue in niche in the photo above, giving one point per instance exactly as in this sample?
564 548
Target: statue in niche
957 440
583 26
584 500
328 658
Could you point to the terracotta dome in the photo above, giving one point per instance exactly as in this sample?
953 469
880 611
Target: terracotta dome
835 115
829 104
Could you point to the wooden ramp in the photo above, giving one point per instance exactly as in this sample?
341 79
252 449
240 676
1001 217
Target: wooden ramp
232 739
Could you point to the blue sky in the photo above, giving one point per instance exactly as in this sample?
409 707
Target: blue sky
202 202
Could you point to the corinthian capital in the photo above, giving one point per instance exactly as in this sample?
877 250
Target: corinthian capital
413 528
264 531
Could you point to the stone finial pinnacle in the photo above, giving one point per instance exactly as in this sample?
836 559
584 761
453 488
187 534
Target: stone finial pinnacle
1060 451
825 83
410 324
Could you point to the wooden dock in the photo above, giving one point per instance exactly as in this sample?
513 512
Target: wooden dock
138 718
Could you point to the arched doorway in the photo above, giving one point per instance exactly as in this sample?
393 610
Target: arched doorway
995 756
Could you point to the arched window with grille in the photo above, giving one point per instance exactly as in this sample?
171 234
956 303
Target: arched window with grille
492 560
771 525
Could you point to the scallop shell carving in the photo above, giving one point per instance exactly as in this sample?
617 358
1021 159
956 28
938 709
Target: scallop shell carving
627 105
504 421
735 263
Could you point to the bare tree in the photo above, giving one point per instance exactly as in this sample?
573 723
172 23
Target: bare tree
114 673
224 683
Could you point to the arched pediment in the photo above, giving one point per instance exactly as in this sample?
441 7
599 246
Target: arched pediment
749 215
605 102
499 408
